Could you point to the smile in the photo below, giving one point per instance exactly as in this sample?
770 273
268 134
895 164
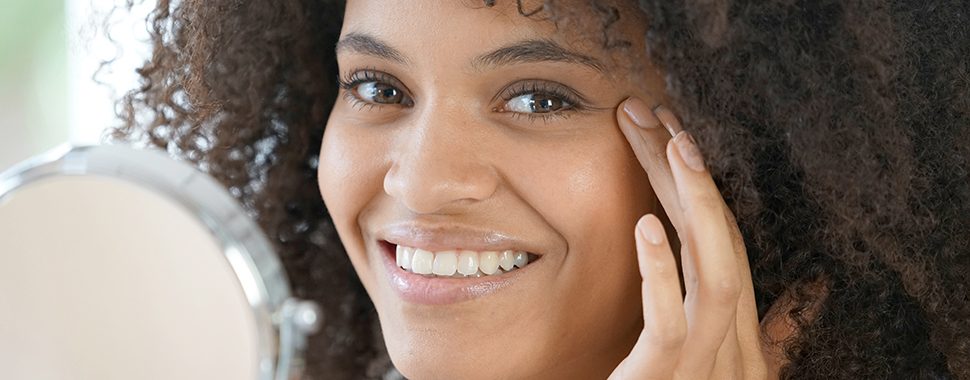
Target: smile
419 283
460 263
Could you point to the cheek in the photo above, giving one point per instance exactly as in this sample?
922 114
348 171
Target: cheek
610 195
349 176
340 171
591 191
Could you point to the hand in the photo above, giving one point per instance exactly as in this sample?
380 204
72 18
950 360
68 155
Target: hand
713 331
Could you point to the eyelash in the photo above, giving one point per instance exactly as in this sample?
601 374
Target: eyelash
575 102
357 77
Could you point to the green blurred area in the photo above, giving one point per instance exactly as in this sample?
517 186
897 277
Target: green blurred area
33 77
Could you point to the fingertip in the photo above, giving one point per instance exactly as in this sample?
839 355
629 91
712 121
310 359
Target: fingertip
669 120
639 113
651 229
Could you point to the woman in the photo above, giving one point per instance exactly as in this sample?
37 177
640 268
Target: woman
525 137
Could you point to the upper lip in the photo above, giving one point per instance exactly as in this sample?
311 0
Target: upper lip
436 238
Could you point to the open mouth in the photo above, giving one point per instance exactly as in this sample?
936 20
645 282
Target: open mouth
457 263
439 278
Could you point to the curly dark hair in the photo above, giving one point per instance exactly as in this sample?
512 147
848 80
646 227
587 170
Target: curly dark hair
838 133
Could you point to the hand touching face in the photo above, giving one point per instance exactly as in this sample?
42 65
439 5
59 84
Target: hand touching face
713 332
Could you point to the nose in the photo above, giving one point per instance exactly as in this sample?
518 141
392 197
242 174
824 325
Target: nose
439 166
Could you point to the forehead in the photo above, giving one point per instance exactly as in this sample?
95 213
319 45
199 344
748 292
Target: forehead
433 30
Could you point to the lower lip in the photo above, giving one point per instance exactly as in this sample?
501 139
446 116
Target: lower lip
424 290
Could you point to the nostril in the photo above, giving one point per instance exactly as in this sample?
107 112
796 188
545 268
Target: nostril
433 181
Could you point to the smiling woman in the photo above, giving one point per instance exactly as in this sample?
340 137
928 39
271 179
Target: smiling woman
480 150
462 185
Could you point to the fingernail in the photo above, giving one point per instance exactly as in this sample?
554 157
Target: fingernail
687 148
651 229
638 111
672 124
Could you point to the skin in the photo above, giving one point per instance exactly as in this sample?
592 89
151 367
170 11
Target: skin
712 332
452 155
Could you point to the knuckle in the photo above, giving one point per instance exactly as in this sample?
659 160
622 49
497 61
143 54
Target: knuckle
725 290
703 200
669 337
659 268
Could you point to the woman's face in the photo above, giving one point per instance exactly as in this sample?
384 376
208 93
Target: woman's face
464 132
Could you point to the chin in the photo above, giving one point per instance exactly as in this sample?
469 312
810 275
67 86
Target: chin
431 355
441 365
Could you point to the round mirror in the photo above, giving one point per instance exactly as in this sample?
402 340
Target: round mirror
117 263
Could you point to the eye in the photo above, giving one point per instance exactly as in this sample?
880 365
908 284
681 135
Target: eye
540 99
380 93
536 103
374 88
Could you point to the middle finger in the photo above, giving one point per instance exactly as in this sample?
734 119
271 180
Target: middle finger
713 290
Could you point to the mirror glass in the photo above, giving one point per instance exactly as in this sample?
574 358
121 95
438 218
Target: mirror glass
117 263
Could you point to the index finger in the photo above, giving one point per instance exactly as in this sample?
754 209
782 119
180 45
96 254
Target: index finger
648 137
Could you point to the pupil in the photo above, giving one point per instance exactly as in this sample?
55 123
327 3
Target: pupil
386 95
545 105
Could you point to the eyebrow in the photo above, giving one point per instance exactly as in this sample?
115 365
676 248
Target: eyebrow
530 51
369 45
526 51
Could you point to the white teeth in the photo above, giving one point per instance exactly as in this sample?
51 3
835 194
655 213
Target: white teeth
422 262
445 263
488 262
506 260
404 257
521 259
467 263
459 263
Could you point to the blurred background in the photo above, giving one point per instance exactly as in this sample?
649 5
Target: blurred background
53 87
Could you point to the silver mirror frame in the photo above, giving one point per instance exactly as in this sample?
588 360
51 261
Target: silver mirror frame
283 322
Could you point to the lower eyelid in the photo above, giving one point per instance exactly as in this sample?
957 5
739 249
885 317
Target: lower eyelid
360 104
356 103
545 118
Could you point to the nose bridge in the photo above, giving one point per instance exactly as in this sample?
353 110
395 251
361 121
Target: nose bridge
437 161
